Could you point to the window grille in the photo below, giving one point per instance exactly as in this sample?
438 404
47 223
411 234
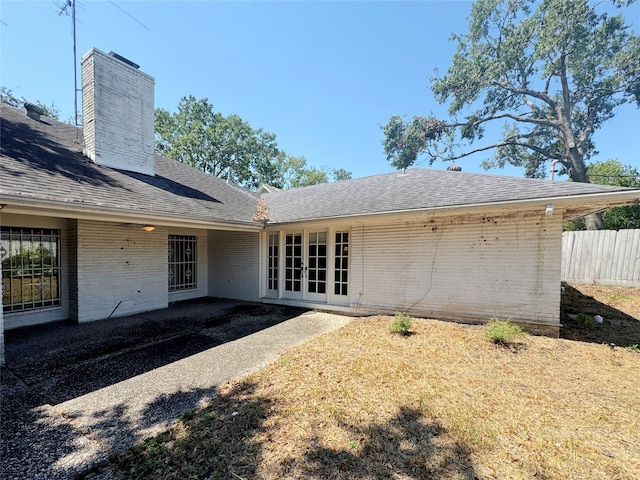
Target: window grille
272 277
30 268
182 262
317 260
341 270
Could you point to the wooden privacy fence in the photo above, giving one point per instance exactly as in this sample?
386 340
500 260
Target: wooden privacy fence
604 257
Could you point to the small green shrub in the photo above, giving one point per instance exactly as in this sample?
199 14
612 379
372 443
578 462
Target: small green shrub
502 332
634 348
401 324
584 319
186 416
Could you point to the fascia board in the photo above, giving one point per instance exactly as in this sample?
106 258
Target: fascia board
56 209
604 200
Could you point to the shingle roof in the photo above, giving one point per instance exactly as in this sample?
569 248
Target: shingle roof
43 160
417 189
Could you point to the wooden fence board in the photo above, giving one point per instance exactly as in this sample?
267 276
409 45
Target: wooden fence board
605 257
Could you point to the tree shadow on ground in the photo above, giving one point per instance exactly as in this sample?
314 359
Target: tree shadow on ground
36 441
225 441
406 446
618 328
218 441
78 359
45 433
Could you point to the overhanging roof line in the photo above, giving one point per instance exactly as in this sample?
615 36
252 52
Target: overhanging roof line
633 197
109 214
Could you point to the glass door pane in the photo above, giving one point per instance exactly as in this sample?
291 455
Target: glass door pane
316 271
293 263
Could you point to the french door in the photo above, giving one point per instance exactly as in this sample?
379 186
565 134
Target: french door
305 266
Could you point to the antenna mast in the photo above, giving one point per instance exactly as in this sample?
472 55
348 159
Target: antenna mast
72 4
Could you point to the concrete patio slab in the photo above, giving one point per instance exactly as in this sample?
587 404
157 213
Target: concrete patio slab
98 388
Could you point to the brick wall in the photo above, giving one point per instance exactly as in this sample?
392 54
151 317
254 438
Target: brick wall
117 113
234 265
120 270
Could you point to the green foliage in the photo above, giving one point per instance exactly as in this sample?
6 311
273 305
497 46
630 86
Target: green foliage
401 324
617 297
7 96
502 332
28 258
633 348
551 71
404 141
340 174
229 147
218 145
584 319
186 416
613 172
293 172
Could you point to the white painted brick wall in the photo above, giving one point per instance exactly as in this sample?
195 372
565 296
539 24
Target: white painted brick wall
121 270
468 267
117 113
234 265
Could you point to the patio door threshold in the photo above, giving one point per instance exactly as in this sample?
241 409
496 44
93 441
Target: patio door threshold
311 305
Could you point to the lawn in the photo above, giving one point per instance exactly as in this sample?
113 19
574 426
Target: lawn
443 402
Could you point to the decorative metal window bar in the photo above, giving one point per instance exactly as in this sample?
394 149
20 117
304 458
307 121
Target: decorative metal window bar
341 266
182 262
30 268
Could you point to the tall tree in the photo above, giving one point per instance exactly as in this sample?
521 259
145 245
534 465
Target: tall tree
292 172
553 71
218 145
229 147
612 172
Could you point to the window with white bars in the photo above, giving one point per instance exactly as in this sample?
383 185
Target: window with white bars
341 266
272 275
182 262
30 268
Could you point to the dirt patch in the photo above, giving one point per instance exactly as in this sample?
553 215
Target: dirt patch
618 306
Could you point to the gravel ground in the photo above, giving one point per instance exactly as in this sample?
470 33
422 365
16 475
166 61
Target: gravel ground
72 394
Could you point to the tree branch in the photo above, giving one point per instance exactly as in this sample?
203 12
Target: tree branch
517 118
541 151
564 81
528 92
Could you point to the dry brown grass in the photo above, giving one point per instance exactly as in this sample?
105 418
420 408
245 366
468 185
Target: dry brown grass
443 403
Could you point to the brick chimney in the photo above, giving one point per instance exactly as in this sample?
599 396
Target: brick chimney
117 113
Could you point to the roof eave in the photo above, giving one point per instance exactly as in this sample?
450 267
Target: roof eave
596 202
48 208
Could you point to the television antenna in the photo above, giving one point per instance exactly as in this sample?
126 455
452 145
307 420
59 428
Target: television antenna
66 7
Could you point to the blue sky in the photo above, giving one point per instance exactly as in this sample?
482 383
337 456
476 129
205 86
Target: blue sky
322 76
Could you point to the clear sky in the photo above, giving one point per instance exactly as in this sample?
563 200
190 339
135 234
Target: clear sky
322 76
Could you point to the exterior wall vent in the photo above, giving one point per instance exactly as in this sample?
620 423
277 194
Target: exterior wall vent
117 113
